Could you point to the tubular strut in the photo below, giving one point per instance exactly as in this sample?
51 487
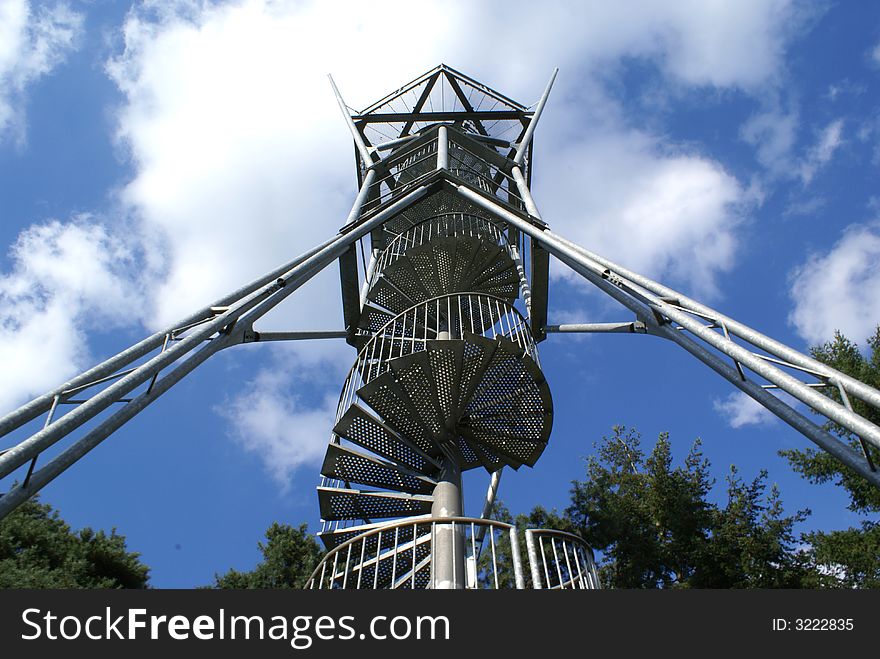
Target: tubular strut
228 322
671 315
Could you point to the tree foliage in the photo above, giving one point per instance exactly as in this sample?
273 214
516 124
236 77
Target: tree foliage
656 526
289 556
847 558
39 550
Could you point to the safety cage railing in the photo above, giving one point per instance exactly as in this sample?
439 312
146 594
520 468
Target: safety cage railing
400 555
452 225
560 560
452 316
443 147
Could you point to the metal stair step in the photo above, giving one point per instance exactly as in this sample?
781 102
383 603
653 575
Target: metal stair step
360 427
384 395
422 259
415 377
476 356
446 359
529 427
488 458
465 251
373 318
386 295
345 464
443 250
404 276
341 503
518 450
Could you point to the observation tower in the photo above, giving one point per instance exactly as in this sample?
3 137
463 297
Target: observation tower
443 263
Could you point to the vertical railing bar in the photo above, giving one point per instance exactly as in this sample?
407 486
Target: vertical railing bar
544 561
556 560
415 535
494 558
567 563
433 574
394 557
454 555
347 562
474 554
578 557
333 572
376 566
361 566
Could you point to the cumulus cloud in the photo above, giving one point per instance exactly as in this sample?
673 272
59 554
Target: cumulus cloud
663 214
830 139
837 290
33 41
740 410
273 421
65 278
773 133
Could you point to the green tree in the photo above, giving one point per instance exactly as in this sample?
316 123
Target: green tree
538 518
657 528
848 558
39 550
289 556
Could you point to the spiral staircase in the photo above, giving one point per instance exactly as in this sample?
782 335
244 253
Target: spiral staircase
447 372
447 377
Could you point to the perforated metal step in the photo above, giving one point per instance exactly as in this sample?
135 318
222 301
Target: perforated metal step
487 387
443 265
357 425
388 399
350 466
339 503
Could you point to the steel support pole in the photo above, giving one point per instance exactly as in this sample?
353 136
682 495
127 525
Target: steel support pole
632 327
261 337
41 404
257 304
442 148
533 560
516 558
757 339
530 129
449 545
358 138
368 276
644 304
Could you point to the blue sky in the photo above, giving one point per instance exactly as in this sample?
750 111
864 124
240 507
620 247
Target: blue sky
155 156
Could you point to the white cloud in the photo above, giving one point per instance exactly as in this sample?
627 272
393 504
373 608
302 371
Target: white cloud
740 410
32 44
838 290
65 278
662 214
820 155
274 422
773 133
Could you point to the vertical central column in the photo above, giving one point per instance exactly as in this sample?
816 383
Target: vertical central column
449 543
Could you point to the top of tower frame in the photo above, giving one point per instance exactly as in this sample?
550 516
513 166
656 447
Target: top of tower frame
444 95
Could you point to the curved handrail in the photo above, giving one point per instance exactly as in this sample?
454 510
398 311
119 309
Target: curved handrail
415 235
380 553
408 332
